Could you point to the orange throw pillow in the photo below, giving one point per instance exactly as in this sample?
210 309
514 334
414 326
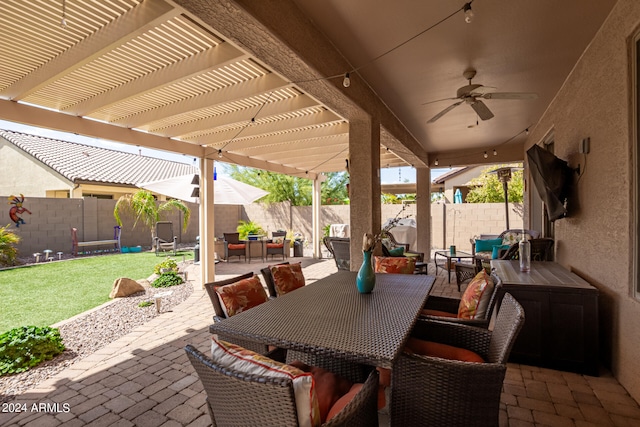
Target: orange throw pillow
443 351
329 387
475 300
242 295
395 265
287 277
344 401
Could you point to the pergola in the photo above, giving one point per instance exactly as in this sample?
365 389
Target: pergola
260 83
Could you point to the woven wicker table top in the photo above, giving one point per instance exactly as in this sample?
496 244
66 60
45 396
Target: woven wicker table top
331 318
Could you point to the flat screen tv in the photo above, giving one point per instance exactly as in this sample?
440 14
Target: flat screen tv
553 179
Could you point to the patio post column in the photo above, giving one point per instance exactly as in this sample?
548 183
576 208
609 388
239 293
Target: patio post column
423 210
207 231
364 183
316 215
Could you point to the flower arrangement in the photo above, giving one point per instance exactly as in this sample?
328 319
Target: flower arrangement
369 240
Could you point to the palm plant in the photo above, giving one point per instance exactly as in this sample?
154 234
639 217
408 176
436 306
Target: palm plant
8 251
145 208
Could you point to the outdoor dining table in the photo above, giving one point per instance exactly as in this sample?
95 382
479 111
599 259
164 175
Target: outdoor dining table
331 318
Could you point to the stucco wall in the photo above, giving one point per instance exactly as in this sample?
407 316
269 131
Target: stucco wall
595 241
19 171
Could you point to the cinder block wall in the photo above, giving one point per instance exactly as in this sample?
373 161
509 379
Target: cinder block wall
49 224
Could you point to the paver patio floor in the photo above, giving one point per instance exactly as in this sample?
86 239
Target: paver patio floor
145 379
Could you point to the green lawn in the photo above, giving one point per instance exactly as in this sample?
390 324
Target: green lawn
47 293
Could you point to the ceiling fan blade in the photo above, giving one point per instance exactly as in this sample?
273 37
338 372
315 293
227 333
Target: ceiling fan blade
482 90
510 95
482 110
439 100
445 111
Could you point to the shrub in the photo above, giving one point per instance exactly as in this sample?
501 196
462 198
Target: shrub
8 251
167 279
145 304
248 227
168 264
24 347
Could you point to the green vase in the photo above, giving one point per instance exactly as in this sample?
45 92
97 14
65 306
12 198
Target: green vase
366 278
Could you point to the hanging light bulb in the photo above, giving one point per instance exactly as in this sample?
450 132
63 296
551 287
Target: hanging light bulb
220 153
485 155
63 22
347 81
495 153
436 162
526 131
468 13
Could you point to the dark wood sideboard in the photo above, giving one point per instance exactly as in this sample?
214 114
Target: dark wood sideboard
561 316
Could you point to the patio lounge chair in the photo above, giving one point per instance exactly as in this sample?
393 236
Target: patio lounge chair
340 248
279 245
233 246
165 239
242 398
437 391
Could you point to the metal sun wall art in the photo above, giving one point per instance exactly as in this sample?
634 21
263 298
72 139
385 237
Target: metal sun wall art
17 209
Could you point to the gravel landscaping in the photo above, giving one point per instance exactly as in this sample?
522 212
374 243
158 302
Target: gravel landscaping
88 332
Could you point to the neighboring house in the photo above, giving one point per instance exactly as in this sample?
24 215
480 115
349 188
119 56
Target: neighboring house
456 179
36 166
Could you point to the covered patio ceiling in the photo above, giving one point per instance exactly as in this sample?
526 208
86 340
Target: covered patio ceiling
259 83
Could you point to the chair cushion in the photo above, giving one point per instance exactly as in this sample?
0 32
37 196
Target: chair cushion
242 295
487 245
495 254
438 313
475 300
275 245
287 277
395 265
443 351
344 401
240 359
399 251
513 237
236 246
329 386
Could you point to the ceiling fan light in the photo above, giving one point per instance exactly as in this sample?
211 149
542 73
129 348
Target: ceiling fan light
468 13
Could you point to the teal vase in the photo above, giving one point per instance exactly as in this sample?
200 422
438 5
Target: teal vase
366 278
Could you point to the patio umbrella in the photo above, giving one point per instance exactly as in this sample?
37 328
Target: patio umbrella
457 196
227 191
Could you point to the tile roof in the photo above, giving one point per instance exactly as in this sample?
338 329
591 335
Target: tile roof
85 163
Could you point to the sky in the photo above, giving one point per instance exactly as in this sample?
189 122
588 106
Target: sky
387 175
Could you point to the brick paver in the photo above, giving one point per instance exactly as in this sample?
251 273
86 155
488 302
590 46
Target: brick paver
145 379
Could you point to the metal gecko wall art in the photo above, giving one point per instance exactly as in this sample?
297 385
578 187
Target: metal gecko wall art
17 209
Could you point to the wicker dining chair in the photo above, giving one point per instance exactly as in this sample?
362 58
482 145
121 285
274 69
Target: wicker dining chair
269 281
220 314
237 399
451 305
442 392
233 246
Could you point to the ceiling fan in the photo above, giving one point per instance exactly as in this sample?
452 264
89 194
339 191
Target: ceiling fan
472 94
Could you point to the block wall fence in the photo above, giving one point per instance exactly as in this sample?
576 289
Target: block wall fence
50 222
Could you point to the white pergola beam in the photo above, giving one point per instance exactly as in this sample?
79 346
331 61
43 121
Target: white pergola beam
137 21
195 65
237 92
275 108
